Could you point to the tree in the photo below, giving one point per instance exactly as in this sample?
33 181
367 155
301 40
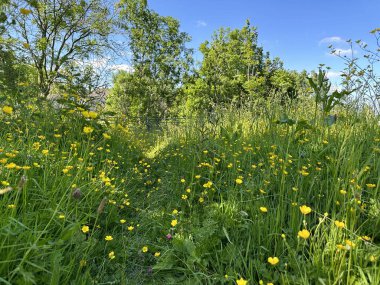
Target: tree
234 69
52 34
159 58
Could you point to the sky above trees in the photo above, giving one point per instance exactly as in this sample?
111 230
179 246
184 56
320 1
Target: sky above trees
297 31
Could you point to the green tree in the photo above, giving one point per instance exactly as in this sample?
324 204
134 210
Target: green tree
52 34
234 69
160 60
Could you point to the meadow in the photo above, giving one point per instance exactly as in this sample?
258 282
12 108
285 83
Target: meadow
236 197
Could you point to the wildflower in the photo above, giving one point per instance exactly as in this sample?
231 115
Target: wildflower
11 165
106 136
263 209
108 238
339 224
305 234
273 260
85 229
174 223
369 185
111 255
349 244
62 216
169 236
305 210
88 130
122 221
197 176
145 249
130 228
11 206
201 200
45 152
175 212
241 281
239 181
157 254
372 258
283 236
366 238
184 197
183 180
207 185
8 110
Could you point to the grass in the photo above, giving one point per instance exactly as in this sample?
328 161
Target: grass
206 201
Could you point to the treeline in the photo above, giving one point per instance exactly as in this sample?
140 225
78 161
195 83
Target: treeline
49 49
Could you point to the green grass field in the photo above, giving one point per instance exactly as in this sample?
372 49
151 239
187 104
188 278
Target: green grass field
240 198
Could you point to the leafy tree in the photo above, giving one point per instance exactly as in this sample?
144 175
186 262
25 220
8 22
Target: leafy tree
234 69
159 58
52 34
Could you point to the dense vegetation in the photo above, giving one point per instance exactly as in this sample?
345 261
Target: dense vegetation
231 171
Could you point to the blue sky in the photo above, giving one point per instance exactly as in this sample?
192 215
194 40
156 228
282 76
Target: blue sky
297 31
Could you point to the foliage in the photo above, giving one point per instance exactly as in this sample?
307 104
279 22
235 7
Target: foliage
321 87
53 34
160 61
361 72
236 70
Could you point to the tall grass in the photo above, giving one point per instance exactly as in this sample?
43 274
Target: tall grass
204 201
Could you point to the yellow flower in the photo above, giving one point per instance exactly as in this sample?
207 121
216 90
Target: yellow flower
11 165
305 210
88 130
25 12
305 234
157 254
183 180
108 238
184 197
239 181
201 200
106 136
111 255
61 216
130 228
263 209
369 185
85 229
174 223
207 185
241 281
123 221
8 110
175 212
273 260
145 249
45 151
339 224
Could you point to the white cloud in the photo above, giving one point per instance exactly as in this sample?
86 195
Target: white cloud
124 67
342 52
331 40
201 24
333 74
